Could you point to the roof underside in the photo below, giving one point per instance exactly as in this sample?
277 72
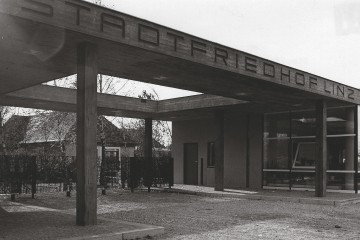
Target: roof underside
39 41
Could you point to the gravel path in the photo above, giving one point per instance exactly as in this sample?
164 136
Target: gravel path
195 217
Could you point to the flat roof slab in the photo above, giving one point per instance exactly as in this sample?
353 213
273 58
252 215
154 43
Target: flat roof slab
39 40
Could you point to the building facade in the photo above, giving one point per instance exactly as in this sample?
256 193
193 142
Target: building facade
270 150
265 119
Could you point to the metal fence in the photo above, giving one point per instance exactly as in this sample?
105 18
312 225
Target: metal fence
31 174
138 173
17 174
37 174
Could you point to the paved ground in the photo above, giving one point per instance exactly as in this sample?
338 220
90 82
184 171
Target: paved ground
196 217
52 216
331 198
269 192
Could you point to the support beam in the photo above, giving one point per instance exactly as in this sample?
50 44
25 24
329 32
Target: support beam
86 156
219 150
148 152
321 149
64 99
356 151
349 146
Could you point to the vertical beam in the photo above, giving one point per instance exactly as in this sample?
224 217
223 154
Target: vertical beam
148 151
356 150
248 151
202 171
290 151
86 152
219 150
321 149
349 146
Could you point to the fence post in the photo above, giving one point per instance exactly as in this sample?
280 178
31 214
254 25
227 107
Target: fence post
202 172
132 173
148 144
124 171
33 178
12 178
171 170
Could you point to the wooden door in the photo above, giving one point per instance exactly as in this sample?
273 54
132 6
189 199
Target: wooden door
191 163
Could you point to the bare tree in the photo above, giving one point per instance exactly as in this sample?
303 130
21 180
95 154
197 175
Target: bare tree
8 132
162 133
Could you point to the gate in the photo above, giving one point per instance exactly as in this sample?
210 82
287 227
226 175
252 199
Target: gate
17 174
138 173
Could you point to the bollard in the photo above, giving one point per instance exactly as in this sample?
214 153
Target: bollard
13 197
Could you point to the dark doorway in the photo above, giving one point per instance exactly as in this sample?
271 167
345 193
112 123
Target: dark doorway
191 163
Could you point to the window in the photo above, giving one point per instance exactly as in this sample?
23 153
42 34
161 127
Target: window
276 125
276 153
303 124
211 154
289 150
304 155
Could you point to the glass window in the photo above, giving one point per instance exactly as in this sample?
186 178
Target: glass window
340 153
340 121
276 154
302 146
276 125
303 123
340 181
211 154
303 154
276 179
303 179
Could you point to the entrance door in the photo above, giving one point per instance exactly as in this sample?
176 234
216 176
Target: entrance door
191 163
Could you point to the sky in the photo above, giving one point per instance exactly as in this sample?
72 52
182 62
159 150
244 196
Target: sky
318 36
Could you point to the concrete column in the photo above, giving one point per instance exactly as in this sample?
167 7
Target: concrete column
349 150
148 151
86 156
219 150
321 149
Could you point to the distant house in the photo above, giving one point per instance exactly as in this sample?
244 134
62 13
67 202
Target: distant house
54 134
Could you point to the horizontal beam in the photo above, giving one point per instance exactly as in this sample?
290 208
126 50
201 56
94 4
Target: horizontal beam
195 102
64 99
68 96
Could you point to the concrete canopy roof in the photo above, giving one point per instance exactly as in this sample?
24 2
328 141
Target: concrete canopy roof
64 99
39 41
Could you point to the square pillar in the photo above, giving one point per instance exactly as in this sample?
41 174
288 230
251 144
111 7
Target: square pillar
86 153
148 152
219 150
321 149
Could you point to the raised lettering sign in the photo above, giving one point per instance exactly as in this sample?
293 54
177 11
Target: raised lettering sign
100 22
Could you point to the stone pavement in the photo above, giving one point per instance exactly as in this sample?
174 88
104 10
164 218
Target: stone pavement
307 197
22 221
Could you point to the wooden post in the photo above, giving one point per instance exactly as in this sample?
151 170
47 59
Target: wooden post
321 149
86 154
219 150
202 171
148 151
33 177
